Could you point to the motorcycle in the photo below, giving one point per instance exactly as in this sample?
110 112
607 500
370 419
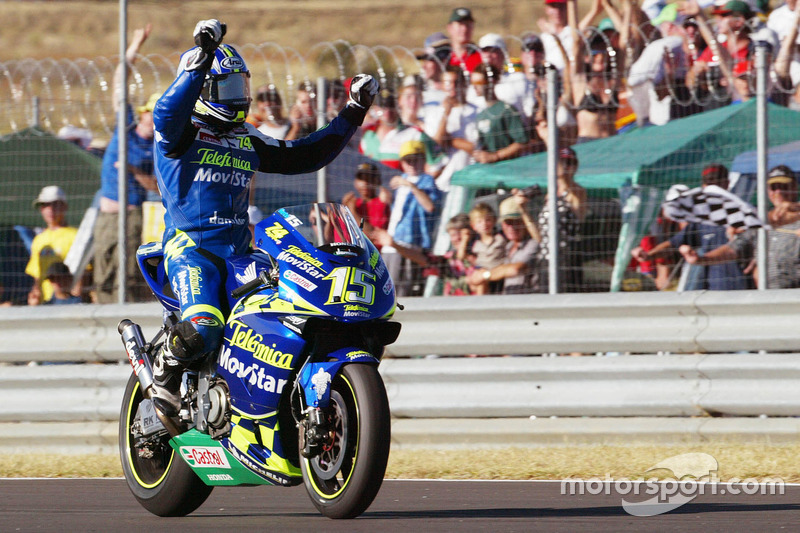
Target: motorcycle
293 395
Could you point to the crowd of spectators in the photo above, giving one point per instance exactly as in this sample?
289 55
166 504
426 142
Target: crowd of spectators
473 102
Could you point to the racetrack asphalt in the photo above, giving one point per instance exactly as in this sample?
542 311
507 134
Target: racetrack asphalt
402 505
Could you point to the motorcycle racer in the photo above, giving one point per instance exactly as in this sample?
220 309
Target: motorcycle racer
205 157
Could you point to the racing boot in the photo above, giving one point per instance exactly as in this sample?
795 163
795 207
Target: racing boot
183 344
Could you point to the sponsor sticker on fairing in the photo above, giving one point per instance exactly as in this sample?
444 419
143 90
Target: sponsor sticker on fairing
205 457
299 280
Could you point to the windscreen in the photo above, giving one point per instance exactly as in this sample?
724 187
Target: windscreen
325 224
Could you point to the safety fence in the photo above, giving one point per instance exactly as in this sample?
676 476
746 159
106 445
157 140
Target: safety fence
732 355
625 176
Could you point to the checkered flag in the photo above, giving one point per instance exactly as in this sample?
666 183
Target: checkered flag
710 205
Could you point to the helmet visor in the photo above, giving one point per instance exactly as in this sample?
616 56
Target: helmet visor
228 89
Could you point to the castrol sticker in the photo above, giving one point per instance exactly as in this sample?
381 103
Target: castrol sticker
205 457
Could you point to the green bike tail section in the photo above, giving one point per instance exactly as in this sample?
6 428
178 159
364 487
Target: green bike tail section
212 463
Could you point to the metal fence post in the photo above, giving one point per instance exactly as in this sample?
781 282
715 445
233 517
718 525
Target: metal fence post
762 145
552 178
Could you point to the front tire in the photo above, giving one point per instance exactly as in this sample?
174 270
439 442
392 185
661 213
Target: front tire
344 479
163 484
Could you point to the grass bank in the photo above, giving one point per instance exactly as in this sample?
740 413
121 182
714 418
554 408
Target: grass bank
742 461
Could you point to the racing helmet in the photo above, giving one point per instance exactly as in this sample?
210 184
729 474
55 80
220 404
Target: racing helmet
225 98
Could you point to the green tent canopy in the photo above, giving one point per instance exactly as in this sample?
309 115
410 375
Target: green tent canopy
655 156
642 164
31 159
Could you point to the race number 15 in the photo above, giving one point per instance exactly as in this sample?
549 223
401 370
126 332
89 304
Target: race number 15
351 285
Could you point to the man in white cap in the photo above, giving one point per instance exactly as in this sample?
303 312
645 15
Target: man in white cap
51 245
510 88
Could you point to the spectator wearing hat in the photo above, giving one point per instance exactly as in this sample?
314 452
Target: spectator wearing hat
571 210
60 279
501 134
413 216
783 250
517 272
51 245
510 86
383 139
268 113
460 28
704 237
140 181
370 201
433 60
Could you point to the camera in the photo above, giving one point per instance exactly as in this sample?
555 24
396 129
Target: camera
531 192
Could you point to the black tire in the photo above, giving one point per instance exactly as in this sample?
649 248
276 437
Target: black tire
343 481
163 484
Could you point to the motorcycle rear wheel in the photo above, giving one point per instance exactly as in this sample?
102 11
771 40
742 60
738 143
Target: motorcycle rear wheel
345 478
163 484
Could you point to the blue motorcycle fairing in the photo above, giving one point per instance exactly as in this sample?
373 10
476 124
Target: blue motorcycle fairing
256 360
315 378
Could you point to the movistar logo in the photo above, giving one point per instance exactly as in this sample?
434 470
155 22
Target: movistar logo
209 156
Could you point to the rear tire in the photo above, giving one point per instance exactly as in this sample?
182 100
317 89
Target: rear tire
163 484
344 479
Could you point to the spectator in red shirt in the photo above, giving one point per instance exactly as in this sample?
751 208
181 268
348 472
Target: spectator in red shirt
460 28
369 201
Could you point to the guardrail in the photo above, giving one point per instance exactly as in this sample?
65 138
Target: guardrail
75 406
689 322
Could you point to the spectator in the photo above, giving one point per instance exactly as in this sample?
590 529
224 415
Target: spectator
335 99
434 59
501 134
658 77
571 211
140 180
51 245
783 252
662 268
556 33
60 279
452 126
593 84
533 68
268 115
370 201
730 47
705 237
452 268
517 272
302 117
510 86
464 53
409 103
489 248
412 218
382 140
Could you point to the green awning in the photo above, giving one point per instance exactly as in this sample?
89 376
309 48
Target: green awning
654 156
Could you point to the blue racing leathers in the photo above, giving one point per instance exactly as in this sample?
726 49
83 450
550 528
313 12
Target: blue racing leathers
204 177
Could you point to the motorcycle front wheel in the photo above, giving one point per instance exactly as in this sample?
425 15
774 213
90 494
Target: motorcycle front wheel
345 477
159 480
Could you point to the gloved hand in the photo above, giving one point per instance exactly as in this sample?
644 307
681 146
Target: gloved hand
363 89
208 34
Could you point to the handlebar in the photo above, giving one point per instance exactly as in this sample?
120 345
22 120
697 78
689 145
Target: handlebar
263 279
